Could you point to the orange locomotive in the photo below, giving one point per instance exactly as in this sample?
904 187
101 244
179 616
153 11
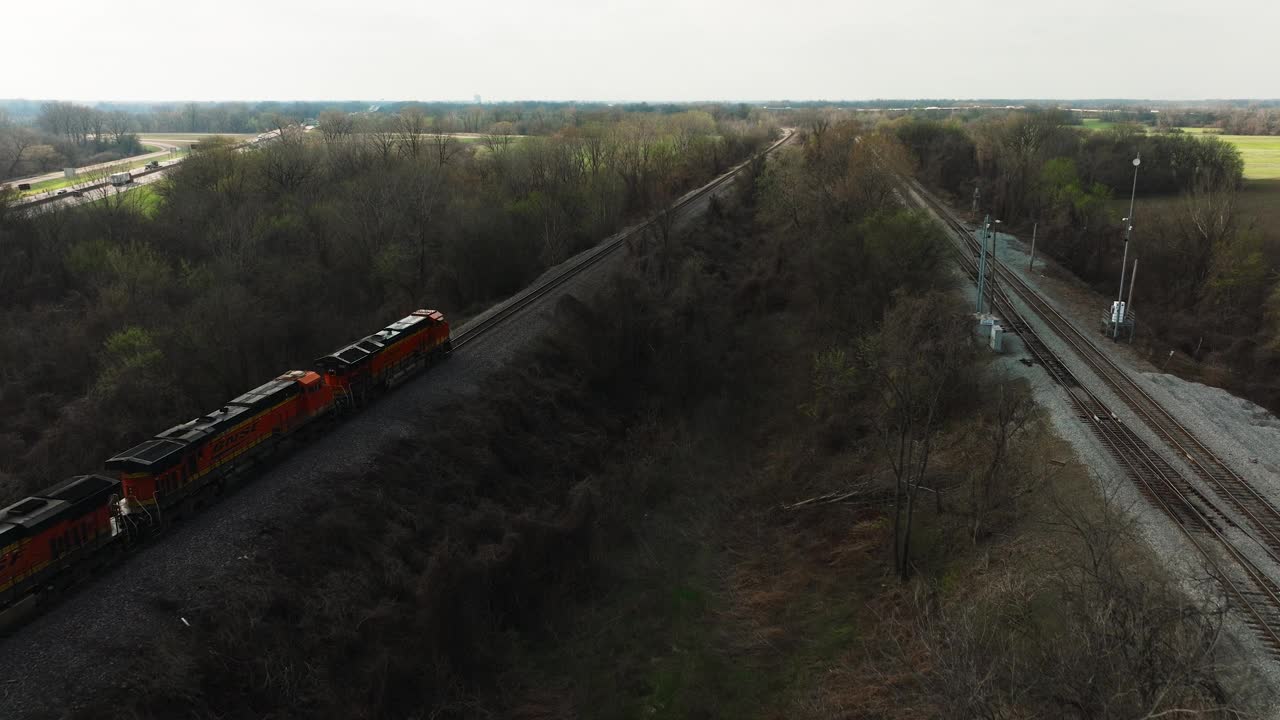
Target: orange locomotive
386 357
188 460
43 536
54 535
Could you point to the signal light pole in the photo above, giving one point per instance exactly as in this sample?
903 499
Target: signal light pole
990 226
1124 260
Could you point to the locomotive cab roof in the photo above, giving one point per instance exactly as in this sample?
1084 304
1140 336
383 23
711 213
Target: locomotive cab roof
147 455
360 351
73 496
165 449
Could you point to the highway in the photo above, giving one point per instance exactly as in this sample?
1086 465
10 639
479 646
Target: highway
94 188
85 643
95 173
98 193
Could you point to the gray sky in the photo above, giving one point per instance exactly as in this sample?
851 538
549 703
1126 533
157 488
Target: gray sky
638 49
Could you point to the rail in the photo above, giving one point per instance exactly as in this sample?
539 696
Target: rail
1194 514
594 255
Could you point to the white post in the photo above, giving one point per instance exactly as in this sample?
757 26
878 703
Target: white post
1031 266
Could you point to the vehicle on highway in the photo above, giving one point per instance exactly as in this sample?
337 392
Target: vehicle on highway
24 186
51 539
153 165
121 178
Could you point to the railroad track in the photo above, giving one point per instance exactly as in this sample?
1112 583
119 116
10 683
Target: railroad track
590 257
1201 522
1260 514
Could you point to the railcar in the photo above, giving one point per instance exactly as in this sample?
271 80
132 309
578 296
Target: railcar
54 535
44 536
385 358
189 461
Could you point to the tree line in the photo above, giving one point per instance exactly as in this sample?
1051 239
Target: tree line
51 135
120 319
64 135
1209 284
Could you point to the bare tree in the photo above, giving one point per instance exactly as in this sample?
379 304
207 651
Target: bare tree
917 359
995 480
1208 220
118 124
336 127
498 140
474 119
15 142
444 147
379 134
411 125
96 122
1098 635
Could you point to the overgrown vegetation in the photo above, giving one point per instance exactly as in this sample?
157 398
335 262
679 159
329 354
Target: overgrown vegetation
1210 260
688 501
38 137
127 314
64 135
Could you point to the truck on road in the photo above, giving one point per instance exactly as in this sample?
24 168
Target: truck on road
122 178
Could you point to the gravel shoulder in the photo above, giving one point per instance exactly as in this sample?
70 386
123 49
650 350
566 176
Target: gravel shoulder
1245 436
1167 543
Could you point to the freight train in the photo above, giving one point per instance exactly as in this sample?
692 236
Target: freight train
51 539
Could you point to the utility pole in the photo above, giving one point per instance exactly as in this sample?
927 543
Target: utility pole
973 212
995 260
1031 266
1128 231
982 261
1128 308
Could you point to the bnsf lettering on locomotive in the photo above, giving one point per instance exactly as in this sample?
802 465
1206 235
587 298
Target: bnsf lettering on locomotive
74 537
225 442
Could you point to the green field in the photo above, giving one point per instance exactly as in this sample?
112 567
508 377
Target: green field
188 138
1097 124
1261 155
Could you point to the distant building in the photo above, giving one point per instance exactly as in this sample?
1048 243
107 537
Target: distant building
478 100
